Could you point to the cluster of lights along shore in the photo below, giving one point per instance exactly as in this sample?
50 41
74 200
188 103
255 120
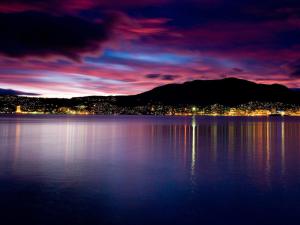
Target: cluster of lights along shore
106 106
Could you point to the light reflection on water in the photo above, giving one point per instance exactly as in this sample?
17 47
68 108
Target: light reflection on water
125 170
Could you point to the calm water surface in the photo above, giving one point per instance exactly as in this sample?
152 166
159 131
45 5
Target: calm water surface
149 170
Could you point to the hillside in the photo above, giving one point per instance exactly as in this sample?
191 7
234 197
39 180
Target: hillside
229 91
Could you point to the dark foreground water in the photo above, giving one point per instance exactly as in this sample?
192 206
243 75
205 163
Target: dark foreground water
149 170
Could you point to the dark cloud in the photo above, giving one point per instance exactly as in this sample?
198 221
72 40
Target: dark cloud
294 68
162 76
152 76
169 77
15 92
39 34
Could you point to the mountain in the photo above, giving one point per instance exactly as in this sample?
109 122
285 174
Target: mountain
228 91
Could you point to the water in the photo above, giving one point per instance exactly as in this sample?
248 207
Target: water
149 170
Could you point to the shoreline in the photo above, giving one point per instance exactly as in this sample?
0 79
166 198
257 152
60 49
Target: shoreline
166 115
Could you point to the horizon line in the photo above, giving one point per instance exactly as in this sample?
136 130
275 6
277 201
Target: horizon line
36 95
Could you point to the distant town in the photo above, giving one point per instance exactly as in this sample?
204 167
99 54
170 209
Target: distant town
109 106
225 97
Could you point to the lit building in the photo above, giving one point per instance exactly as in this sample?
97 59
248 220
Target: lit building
18 109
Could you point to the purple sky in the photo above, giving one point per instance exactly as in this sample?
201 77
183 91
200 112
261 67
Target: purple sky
66 48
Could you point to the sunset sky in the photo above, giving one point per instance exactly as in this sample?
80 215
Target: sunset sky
65 48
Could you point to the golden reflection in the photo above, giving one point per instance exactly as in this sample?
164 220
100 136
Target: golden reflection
231 138
282 147
249 135
268 153
17 144
193 145
259 151
214 140
174 139
152 134
268 147
185 143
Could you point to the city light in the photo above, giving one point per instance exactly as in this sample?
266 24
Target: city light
109 106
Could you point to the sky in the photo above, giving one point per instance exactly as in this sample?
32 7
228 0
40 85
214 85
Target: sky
67 48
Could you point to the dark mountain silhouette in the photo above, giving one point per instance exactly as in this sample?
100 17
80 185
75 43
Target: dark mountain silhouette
228 91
